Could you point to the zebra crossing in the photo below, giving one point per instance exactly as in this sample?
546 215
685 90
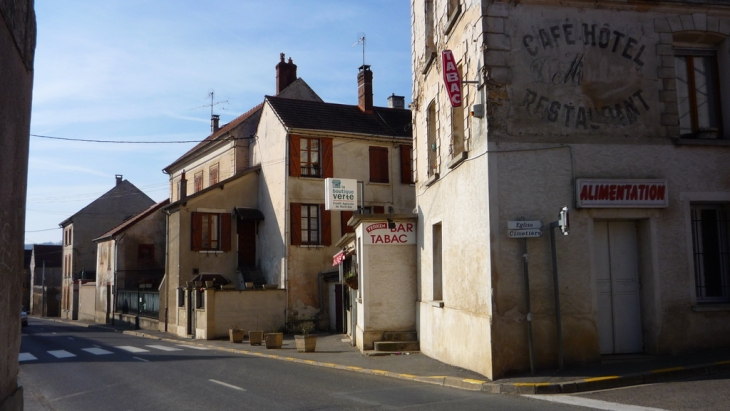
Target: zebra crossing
61 354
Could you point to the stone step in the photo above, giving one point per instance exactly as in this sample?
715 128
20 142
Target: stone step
400 336
391 346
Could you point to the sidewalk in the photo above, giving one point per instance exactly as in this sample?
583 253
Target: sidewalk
335 351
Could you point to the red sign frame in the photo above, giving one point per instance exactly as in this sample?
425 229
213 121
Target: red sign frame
452 81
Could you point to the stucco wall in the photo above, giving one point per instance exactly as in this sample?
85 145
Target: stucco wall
250 309
87 302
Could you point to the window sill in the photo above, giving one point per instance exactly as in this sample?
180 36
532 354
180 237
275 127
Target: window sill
452 20
311 246
458 159
210 252
700 142
375 183
312 177
432 179
437 304
698 308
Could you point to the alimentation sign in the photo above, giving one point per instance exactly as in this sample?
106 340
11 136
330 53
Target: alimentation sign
610 193
340 194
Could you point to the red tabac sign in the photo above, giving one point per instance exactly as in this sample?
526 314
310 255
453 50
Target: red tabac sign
451 78
595 193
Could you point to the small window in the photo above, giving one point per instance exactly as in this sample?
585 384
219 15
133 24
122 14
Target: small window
198 181
211 232
213 174
406 164
145 253
310 224
309 157
431 140
379 165
698 88
710 250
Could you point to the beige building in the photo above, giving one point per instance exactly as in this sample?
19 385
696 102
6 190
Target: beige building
265 222
120 203
612 109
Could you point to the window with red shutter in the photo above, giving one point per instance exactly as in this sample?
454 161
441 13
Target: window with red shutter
198 181
326 215
295 215
294 167
379 165
345 216
406 163
210 232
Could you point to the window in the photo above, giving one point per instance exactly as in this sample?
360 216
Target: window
145 253
710 251
310 157
198 181
379 165
311 224
406 164
453 10
211 232
437 289
431 140
213 174
698 88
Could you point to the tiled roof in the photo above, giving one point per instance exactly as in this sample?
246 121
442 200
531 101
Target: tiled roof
132 221
221 132
312 115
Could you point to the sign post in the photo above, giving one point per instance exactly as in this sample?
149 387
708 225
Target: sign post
564 224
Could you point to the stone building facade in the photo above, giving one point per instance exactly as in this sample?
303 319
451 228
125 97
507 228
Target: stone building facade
621 112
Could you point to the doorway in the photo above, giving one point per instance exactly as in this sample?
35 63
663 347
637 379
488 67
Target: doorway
246 243
618 287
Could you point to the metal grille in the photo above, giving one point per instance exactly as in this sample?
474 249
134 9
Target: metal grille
146 303
710 250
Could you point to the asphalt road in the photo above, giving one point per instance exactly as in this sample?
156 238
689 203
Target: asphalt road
65 367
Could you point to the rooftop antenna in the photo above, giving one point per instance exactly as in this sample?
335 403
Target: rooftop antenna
211 93
361 39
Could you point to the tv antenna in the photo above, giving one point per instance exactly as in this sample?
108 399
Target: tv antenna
212 102
361 39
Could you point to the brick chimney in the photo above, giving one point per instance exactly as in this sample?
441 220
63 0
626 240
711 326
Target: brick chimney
214 123
365 89
119 178
286 73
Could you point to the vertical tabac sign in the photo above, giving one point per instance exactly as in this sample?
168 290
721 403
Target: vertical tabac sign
451 78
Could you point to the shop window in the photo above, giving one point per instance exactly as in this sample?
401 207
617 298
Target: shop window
310 224
698 93
310 157
211 232
379 165
710 252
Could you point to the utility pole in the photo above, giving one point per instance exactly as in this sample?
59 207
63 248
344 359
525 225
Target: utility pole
43 291
564 224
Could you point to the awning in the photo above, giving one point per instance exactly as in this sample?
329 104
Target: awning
246 213
338 258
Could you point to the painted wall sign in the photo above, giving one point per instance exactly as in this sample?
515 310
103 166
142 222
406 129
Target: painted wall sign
340 194
580 73
452 81
378 233
597 193
520 225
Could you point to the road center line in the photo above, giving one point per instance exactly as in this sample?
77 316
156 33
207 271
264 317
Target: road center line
595 404
141 359
227 385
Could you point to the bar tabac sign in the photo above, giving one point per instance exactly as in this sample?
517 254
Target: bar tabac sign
451 78
599 193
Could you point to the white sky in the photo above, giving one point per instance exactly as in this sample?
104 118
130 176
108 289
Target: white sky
139 70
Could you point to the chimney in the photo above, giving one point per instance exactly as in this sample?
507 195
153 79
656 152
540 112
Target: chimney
182 187
396 101
365 89
286 73
119 178
214 123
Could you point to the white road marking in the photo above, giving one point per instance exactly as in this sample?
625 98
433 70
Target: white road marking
227 385
131 348
26 356
70 338
164 348
97 351
61 354
193 347
141 359
595 404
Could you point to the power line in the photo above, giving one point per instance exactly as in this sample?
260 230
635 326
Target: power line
82 140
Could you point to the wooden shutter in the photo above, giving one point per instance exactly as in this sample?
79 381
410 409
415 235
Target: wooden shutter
327 159
345 216
295 166
225 232
295 213
196 233
326 224
406 172
378 209
379 165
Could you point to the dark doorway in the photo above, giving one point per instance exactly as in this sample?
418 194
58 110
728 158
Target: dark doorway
246 243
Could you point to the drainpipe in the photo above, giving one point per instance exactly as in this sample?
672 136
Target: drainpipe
116 271
166 277
287 240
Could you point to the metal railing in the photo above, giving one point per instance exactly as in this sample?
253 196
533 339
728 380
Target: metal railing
144 303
